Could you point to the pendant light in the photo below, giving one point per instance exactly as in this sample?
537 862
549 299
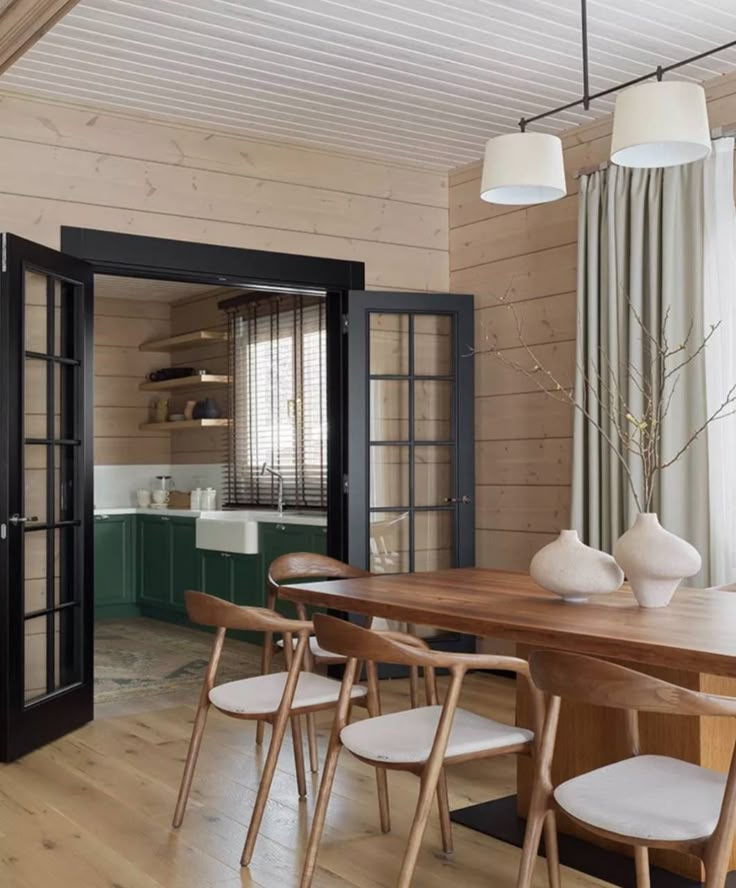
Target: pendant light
523 168
660 124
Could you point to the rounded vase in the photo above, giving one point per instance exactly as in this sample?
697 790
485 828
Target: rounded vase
654 560
575 571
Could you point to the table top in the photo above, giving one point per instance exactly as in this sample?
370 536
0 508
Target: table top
697 632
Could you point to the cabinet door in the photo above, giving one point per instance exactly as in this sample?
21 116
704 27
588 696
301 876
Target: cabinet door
217 573
114 563
154 559
185 560
283 539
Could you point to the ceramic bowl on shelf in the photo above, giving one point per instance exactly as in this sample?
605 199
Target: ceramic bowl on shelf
176 417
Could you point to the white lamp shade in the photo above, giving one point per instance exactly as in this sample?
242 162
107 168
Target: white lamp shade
660 124
523 168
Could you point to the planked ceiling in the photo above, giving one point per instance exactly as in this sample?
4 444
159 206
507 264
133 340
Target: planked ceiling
419 81
145 290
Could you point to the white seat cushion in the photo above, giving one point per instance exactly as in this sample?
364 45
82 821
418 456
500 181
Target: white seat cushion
314 647
407 737
262 694
647 797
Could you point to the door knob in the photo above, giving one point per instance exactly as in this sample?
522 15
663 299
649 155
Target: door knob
20 519
464 500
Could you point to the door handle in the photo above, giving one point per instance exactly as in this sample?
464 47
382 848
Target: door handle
20 519
463 500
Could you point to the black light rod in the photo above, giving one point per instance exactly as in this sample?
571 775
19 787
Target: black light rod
613 89
584 33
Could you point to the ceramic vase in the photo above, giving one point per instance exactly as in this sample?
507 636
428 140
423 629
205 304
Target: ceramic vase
206 409
654 560
575 571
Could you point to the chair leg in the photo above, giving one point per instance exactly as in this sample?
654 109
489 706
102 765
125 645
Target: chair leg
266 655
264 787
195 742
384 809
443 803
320 811
641 858
296 736
538 810
552 851
428 788
312 742
414 686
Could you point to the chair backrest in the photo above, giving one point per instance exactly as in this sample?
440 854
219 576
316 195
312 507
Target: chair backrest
306 565
597 682
206 610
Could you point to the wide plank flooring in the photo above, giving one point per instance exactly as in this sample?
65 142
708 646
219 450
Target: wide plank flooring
94 809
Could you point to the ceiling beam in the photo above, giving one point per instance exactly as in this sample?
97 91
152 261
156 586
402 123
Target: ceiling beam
23 22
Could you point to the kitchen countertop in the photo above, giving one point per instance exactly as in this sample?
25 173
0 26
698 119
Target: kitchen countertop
267 517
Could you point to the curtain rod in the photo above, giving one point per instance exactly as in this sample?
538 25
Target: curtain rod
718 132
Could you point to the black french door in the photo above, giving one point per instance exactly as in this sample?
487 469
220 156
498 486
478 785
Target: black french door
410 431
46 491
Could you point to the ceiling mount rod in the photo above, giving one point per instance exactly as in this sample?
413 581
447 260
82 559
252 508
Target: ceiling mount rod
658 73
584 38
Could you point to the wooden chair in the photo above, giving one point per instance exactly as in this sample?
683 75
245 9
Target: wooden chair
421 741
274 698
293 568
646 801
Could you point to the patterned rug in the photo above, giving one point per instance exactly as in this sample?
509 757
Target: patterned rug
140 657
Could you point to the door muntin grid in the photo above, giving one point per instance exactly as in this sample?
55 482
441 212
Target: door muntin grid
50 468
412 451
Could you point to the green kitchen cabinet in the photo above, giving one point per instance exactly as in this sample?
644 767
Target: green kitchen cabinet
216 572
185 557
114 575
282 539
154 559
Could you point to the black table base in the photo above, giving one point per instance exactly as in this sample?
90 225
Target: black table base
499 820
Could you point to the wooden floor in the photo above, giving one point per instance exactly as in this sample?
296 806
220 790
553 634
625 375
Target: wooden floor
94 810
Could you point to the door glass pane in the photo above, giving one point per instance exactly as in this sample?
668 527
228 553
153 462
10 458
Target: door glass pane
389 410
432 410
389 344
68 662
389 542
65 587
433 540
433 345
432 475
389 485
35 677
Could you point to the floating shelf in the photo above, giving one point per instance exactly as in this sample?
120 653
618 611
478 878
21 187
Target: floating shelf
186 340
183 424
184 383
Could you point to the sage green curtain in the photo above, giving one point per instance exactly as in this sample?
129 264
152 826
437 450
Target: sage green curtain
640 249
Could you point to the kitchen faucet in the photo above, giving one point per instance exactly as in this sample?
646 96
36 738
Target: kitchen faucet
280 478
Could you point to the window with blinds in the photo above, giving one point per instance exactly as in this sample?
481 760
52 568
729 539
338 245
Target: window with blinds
278 406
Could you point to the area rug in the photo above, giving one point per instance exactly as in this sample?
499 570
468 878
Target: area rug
140 657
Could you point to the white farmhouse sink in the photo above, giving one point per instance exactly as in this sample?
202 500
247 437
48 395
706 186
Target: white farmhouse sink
237 531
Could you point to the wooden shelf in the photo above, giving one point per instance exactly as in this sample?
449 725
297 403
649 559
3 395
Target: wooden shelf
186 340
183 424
184 383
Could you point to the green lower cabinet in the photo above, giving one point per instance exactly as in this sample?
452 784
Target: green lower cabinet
115 588
185 560
154 559
283 539
217 573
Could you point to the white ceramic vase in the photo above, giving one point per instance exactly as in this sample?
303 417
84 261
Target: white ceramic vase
654 560
573 570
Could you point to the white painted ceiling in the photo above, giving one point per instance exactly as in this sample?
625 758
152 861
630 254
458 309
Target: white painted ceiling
423 81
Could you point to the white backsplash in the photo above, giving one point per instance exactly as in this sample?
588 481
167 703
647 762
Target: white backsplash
115 486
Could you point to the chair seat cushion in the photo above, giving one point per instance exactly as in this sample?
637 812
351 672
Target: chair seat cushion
647 797
407 737
316 650
262 694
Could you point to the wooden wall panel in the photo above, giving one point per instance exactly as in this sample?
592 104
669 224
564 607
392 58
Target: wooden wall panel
527 255
120 327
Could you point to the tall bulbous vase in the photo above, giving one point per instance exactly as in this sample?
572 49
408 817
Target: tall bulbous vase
654 560
573 570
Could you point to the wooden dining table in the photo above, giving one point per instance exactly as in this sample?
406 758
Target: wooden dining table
692 642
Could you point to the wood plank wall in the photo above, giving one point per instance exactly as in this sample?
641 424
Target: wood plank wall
67 165
528 255
120 327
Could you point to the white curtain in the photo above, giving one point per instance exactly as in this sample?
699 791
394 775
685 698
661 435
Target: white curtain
719 304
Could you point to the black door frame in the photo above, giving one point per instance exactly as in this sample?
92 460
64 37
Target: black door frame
131 255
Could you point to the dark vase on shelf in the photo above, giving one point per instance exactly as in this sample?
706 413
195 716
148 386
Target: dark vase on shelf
206 409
